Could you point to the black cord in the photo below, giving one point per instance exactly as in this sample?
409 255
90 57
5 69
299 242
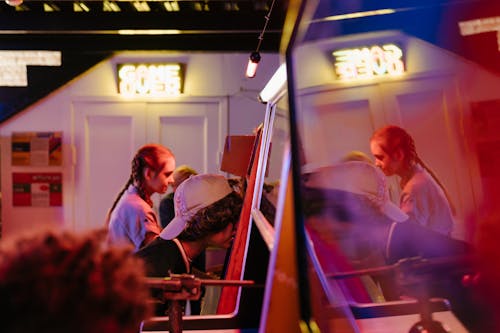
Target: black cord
267 17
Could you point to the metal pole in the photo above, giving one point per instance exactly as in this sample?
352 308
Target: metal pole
175 316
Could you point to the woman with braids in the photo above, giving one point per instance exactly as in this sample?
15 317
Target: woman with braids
131 219
423 197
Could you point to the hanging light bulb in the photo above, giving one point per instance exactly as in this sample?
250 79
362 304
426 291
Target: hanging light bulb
14 3
253 62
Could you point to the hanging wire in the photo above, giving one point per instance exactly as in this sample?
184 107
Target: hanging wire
267 17
254 59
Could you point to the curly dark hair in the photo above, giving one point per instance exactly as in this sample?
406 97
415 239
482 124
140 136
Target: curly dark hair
213 218
63 282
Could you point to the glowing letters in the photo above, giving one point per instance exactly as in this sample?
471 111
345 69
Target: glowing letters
13 65
368 62
150 80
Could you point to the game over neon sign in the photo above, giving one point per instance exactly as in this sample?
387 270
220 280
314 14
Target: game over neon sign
159 79
369 62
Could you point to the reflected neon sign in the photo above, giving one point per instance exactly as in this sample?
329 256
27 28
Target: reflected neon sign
150 79
369 62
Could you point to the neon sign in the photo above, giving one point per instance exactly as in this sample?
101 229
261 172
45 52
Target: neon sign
14 65
150 79
369 62
482 25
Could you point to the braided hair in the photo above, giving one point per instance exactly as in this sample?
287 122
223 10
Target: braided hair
391 138
148 156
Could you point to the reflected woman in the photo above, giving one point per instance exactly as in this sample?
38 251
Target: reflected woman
423 197
353 224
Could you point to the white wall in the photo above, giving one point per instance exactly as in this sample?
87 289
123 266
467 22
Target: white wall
207 75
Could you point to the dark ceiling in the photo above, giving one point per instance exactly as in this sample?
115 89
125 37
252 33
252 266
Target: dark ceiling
141 25
434 21
87 32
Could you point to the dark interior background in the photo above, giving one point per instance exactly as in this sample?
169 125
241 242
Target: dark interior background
87 32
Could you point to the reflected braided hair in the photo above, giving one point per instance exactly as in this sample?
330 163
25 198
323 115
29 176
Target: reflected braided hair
214 218
391 138
148 156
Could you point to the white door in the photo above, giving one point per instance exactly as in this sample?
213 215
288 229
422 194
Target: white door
194 130
107 135
342 121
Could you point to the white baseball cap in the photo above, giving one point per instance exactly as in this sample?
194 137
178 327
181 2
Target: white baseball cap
193 194
360 178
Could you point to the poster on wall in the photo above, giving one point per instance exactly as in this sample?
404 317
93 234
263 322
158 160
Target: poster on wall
37 148
37 189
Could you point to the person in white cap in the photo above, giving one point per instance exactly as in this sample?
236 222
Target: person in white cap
348 211
166 209
348 204
206 212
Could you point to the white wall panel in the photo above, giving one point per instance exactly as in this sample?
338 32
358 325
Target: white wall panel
100 130
193 129
108 147
186 136
342 121
106 137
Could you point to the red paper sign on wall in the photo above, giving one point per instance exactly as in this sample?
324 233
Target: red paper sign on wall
37 189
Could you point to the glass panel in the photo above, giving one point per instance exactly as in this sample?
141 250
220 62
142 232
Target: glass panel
279 138
356 68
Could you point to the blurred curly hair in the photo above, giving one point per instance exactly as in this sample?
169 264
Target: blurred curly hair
63 282
213 218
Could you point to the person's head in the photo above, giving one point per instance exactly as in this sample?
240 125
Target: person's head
393 149
152 169
181 173
58 282
356 155
348 204
361 179
206 210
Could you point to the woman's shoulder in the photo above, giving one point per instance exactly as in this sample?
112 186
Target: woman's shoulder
130 200
420 181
